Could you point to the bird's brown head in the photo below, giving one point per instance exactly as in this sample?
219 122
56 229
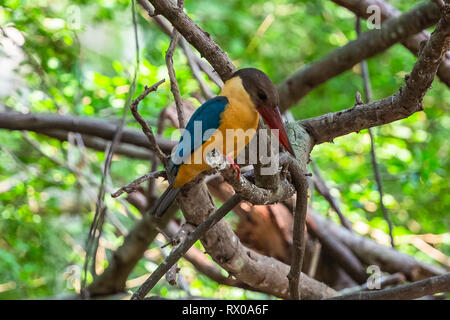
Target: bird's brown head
259 87
264 96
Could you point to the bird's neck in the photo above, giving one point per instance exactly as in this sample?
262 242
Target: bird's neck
240 112
234 90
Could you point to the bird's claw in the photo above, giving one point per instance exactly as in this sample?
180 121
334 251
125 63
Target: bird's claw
234 166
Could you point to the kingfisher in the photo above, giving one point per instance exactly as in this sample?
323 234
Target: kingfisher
247 94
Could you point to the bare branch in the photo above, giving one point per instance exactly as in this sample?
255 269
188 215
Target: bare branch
299 230
178 239
41 122
398 106
145 128
413 290
173 79
181 250
368 94
200 39
132 186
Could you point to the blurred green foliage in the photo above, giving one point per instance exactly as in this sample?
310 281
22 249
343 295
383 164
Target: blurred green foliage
79 58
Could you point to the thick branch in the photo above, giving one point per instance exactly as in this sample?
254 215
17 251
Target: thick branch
299 230
398 106
344 58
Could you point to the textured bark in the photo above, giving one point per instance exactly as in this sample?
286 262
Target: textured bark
263 273
268 230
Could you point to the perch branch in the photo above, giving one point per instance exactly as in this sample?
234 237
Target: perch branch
299 230
176 254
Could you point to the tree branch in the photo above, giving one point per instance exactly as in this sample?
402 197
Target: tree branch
412 43
41 122
133 185
176 254
368 95
344 58
260 272
299 230
153 145
410 291
200 39
398 106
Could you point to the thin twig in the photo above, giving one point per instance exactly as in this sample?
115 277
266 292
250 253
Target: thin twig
132 186
173 79
179 238
145 127
340 253
184 247
100 210
368 94
299 232
190 56
322 188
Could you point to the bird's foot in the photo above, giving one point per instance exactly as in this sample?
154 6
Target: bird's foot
234 166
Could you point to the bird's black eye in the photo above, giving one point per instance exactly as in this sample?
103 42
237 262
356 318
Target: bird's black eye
262 96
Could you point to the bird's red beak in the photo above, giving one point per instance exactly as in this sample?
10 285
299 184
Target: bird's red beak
272 117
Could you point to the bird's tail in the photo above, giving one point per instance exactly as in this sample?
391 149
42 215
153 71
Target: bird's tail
165 201
168 196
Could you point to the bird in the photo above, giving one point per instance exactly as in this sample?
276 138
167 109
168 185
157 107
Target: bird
246 94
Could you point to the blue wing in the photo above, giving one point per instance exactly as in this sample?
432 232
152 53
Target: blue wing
200 127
